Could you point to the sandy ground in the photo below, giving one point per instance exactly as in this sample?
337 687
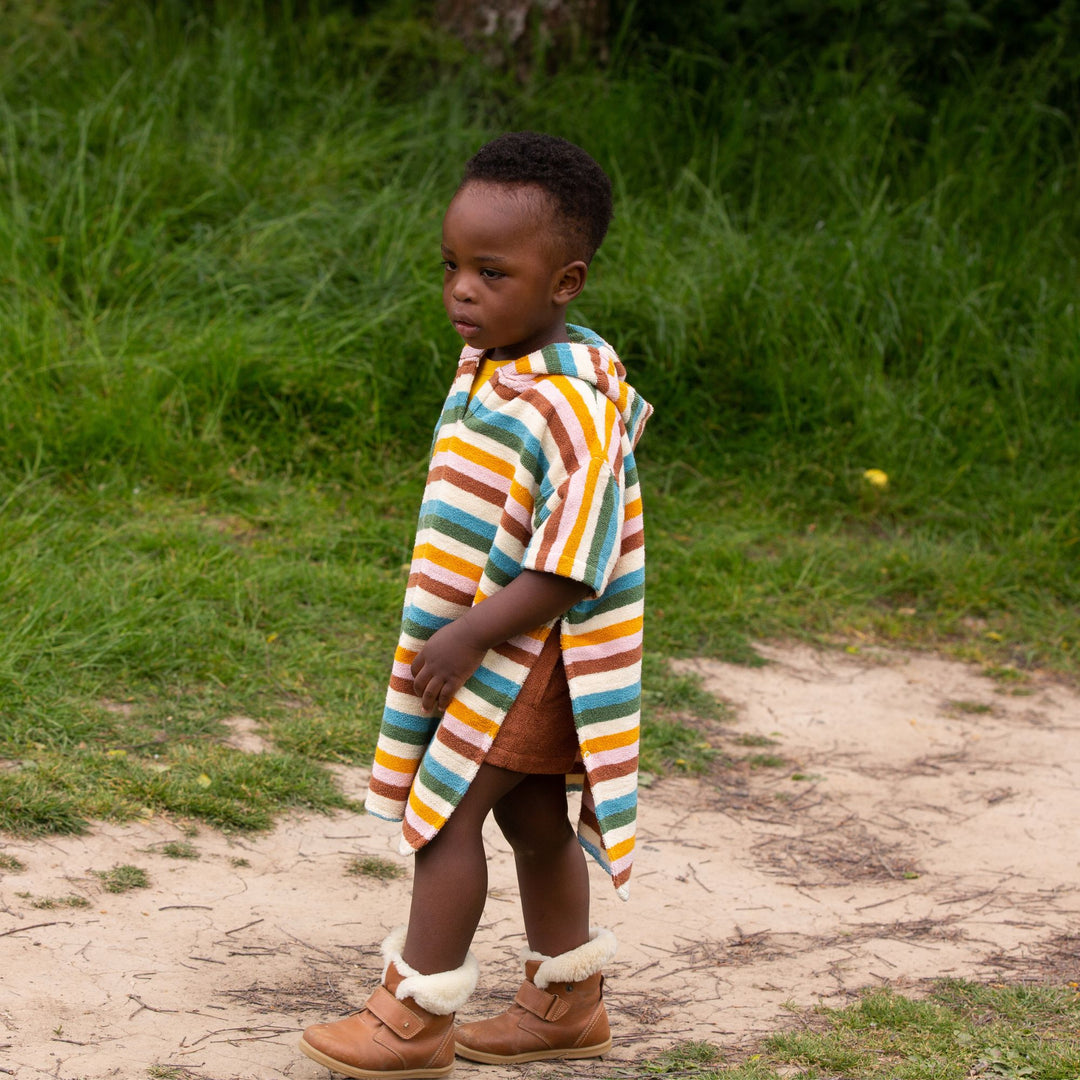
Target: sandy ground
921 824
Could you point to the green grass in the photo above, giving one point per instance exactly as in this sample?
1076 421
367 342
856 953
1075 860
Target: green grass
222 349
123 878
179 849
961 1031
51 903
372 866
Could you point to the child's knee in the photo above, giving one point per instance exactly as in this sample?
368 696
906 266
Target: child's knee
530 831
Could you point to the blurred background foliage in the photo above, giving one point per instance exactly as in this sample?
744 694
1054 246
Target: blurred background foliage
847 237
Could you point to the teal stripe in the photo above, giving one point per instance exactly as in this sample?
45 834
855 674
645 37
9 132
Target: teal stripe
616 820
618 711
604 534
444 791
612 602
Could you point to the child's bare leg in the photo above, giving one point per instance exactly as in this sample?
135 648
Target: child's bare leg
450 878
553 878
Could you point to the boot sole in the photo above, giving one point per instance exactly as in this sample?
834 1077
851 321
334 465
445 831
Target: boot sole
367 1074
534 1055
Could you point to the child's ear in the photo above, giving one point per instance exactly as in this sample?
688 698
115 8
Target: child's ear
570 281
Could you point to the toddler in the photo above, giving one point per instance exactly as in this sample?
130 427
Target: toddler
517 672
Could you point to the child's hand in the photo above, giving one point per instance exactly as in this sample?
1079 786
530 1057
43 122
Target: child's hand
443 666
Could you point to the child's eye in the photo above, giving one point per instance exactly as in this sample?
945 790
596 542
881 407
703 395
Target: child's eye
491 275
449 265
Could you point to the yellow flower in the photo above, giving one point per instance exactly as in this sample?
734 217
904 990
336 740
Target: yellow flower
876 477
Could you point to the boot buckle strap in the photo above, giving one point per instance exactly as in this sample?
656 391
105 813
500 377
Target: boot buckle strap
398 1017
540 1003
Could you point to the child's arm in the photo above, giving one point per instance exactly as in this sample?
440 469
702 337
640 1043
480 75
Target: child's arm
453 653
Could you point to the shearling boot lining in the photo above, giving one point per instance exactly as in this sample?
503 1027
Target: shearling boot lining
577 964
441 993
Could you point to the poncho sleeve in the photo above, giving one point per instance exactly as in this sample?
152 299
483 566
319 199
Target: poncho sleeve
577 525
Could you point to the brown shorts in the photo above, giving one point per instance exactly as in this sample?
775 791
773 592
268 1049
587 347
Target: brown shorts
538 733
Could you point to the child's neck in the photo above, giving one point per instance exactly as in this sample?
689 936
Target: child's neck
554 336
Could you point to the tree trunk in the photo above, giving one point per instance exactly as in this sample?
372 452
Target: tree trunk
524 34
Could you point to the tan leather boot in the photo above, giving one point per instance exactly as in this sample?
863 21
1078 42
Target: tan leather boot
406 1028
558 1012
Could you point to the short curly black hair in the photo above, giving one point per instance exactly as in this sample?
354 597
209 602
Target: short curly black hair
578 187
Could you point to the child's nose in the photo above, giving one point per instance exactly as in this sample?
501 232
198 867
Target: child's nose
463 289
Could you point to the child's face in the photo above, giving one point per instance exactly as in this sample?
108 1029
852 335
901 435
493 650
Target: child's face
506 282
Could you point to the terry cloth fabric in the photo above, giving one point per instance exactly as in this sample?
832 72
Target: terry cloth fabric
487 367
537 735
536 472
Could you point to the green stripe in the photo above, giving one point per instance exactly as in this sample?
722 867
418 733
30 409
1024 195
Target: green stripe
603 521
615 821
513 443
407 735
618 600
489 694
440 789
499 576
456 532
607 712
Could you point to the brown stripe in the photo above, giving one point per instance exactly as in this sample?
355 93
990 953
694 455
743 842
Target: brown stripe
459 745
519 656
444 591
552 527
389 791
614 662
518 530
464 482
563 440
614 771
588 818
402 685
415 840
632 542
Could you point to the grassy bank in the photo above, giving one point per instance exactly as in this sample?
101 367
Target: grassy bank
960 1031
222 348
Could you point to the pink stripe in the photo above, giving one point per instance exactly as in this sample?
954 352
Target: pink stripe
603 649
440 574
599 758
466 733
419 824
391 776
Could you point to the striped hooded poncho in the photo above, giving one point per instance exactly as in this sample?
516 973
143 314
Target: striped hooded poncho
536 472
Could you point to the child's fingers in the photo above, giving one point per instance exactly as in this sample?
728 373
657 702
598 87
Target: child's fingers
446 695
429 695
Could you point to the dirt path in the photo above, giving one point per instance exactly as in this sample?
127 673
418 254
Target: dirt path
922 823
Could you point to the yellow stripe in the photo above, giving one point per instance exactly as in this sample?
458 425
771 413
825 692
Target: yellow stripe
424 812
474 454
610 742
521 496
619 850
460 711
397 764
585 514
609 633
575 399
453 563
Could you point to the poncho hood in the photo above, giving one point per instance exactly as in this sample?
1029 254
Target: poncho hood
586 356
